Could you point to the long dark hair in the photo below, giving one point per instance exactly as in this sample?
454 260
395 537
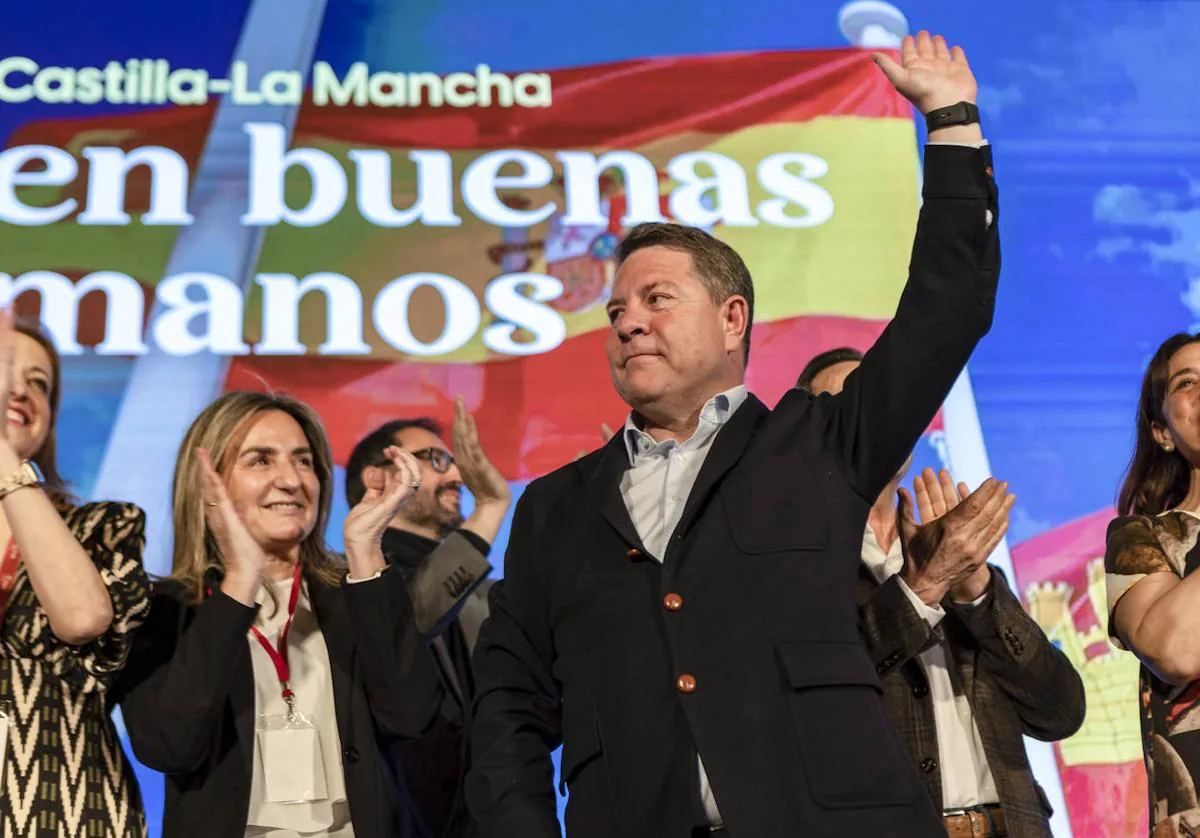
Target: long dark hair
46 457
1156 480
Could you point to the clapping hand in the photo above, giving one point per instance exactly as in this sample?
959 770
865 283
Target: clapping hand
948 552
485 481
244 558
387 490
930 74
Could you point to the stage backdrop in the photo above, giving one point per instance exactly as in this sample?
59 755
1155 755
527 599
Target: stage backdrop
379 208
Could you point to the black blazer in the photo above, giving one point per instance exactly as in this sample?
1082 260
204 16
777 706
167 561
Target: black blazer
782 699
187 698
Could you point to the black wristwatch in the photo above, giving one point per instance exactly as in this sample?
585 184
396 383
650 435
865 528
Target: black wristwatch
963 113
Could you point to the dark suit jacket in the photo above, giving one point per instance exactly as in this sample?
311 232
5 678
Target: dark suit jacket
1014 679
187 698
448 585
787 706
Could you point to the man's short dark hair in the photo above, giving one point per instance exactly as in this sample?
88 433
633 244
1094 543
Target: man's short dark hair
716 264
369 452
822 362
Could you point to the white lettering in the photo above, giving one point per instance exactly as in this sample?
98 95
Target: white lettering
775 174
14 65
61 169
386 90
54 85
421 85
222 309
581 174
269 162
460 90
281 314
390 314
187 87
434 206
485 81
730 199
328 88
532 90
124 308
106 185
505 300
482 179
282 87
89 86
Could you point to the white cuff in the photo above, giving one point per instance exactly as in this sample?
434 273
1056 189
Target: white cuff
974 603
932 614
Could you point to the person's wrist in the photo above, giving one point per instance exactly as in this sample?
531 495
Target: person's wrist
943 99
10 461
242 585
929 591
973 587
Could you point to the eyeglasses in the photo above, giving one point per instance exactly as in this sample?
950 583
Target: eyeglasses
438 458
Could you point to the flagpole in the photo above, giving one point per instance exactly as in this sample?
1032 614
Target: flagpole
875 24
164 393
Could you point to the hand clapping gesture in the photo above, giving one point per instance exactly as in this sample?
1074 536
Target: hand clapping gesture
387 489
243 557
948 551
485 481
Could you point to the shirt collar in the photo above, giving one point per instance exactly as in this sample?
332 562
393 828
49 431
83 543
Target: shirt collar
713 415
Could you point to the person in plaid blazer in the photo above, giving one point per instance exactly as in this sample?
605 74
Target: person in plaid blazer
965 671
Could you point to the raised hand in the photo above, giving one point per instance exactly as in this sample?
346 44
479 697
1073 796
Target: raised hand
930 74
386 491
949 553
485 481
243 557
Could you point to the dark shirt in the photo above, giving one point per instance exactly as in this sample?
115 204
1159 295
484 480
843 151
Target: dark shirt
434 765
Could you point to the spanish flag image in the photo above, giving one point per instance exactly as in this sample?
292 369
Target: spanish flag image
831 282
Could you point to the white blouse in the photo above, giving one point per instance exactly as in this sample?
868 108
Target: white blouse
312 683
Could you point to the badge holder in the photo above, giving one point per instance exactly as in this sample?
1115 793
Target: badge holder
289 751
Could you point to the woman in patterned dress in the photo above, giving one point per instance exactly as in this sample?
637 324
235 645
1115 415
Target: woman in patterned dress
72 590
1153 593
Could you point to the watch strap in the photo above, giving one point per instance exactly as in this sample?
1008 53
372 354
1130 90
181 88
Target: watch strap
960 113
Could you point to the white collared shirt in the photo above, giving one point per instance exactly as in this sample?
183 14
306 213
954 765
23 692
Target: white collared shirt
656 487
966 777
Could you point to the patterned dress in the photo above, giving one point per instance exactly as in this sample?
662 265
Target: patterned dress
1170 715
65 773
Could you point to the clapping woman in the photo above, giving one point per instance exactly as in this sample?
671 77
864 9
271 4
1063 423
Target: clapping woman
270 670
72 591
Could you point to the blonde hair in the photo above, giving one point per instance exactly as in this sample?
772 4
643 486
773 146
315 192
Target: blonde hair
219 430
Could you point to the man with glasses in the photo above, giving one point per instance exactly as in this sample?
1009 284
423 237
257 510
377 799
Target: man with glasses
445 561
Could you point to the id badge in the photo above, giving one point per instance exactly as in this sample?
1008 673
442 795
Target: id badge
289 750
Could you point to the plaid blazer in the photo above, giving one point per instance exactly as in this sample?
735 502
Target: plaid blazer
1015 681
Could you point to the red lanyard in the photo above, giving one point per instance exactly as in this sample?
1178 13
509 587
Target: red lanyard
8 573
279 656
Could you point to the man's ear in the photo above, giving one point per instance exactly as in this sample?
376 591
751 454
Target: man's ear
736 315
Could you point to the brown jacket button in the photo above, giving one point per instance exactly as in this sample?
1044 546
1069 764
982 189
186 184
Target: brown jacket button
686 683
633 552
673 602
